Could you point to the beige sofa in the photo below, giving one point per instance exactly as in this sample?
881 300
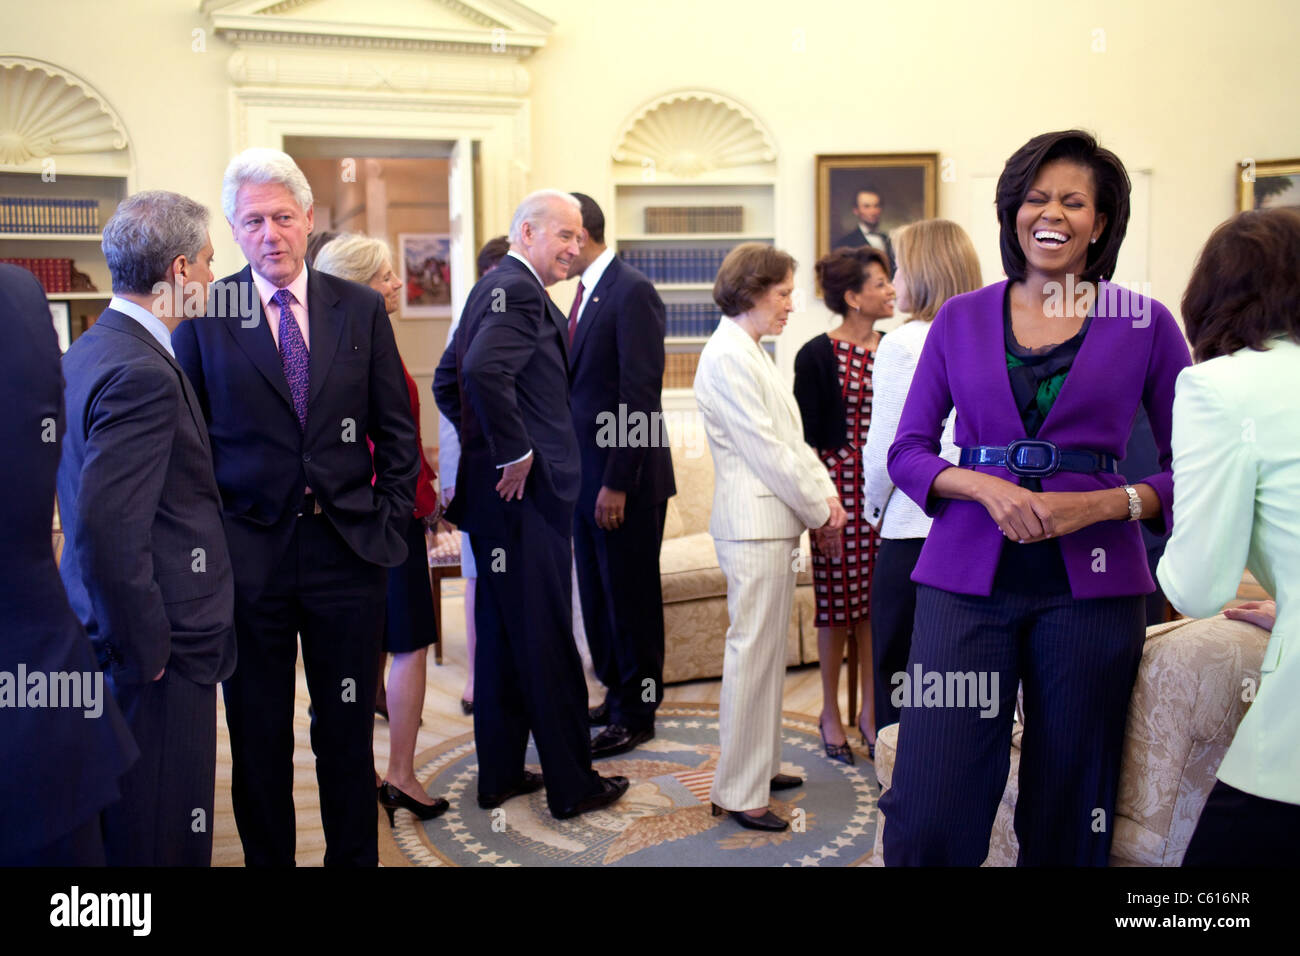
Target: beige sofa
1192 689
694 589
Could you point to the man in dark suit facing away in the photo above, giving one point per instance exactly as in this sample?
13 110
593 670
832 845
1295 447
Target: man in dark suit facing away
145 563
60 765
867 207
504 383
616 362
295 369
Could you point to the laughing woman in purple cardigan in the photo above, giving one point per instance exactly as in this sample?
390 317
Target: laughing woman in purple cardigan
1034 570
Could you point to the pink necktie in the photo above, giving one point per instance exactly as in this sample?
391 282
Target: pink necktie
573 312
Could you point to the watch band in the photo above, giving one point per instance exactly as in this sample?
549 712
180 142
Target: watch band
1134 503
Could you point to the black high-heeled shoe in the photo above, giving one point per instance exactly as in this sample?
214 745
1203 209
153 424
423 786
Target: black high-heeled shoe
768 821
871 748
466 707
390 798
841 752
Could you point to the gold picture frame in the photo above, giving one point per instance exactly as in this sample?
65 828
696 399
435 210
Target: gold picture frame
905 183
1264 184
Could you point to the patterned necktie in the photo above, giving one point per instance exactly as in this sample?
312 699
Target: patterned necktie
293 355
573 312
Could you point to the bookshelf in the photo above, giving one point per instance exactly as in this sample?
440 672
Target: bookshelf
101 191
682 263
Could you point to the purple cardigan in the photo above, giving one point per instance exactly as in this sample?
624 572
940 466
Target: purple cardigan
1122 361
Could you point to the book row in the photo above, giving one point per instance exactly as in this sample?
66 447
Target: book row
54 274
690 319
40 215
676 265
694 218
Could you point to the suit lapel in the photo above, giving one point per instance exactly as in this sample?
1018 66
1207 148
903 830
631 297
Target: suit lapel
993 356
253 335
326 321
595 302
113 319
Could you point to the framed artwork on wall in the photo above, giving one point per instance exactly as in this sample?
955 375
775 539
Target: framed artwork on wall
61 317
426 275
1268 184
861 197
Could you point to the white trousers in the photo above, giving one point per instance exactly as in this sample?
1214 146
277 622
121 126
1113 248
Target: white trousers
760 592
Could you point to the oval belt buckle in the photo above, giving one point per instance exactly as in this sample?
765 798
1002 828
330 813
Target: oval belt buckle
1033 458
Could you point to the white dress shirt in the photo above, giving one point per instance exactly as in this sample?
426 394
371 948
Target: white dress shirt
152 324
891 378
590 276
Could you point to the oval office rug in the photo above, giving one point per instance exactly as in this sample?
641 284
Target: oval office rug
663 820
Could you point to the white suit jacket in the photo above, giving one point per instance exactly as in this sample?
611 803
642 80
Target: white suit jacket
1237 504
768 483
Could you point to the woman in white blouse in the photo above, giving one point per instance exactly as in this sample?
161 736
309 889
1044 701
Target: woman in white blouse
936 260
1236 444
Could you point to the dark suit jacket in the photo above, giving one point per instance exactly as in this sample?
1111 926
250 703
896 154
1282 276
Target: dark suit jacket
58 768
616 361
855 238
264 461
145 564
504 383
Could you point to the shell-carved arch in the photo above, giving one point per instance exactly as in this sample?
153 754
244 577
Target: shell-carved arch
689 133
47 111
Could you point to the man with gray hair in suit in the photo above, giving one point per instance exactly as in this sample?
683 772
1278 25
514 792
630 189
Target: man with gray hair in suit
145 562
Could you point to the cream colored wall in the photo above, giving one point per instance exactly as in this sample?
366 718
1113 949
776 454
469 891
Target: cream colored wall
1185 88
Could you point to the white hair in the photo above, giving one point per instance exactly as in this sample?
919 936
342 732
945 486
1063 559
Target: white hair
536 208
354 257
260 166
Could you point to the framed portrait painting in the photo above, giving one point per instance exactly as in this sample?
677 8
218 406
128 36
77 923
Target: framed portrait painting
1268 185
861 197
426 275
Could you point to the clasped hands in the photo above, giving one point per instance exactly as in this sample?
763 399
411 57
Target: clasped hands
829 537
1028 516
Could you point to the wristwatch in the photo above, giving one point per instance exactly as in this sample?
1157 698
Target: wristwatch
1134 503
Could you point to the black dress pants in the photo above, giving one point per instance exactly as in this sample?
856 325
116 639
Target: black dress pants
1240 829
893 608
165 815
623 610
1078 660
323 592
527 672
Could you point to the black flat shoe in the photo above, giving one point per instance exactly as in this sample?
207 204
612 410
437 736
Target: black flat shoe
598 716
768 821
466 706
617 739
529 783
841 752
390 798
611 789
786 781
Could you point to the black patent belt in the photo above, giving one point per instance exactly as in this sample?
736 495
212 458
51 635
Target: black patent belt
1037 458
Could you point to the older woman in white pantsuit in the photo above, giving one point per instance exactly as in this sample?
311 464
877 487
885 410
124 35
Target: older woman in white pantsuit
768 486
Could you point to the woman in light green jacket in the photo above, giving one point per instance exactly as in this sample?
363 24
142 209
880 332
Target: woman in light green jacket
1236 445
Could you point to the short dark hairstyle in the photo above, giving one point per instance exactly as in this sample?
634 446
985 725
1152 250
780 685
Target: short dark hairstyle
868 189
493 251
146 233
844 270
749 270
1245 288
1109 179
316 241
593 220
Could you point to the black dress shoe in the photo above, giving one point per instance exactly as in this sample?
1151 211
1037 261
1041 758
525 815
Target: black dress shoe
598 716
786 781
529 783
611 788
390 798
466 707
768 821
617 739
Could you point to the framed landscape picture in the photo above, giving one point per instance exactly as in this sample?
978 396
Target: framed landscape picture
426 274
861 197
1269 184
